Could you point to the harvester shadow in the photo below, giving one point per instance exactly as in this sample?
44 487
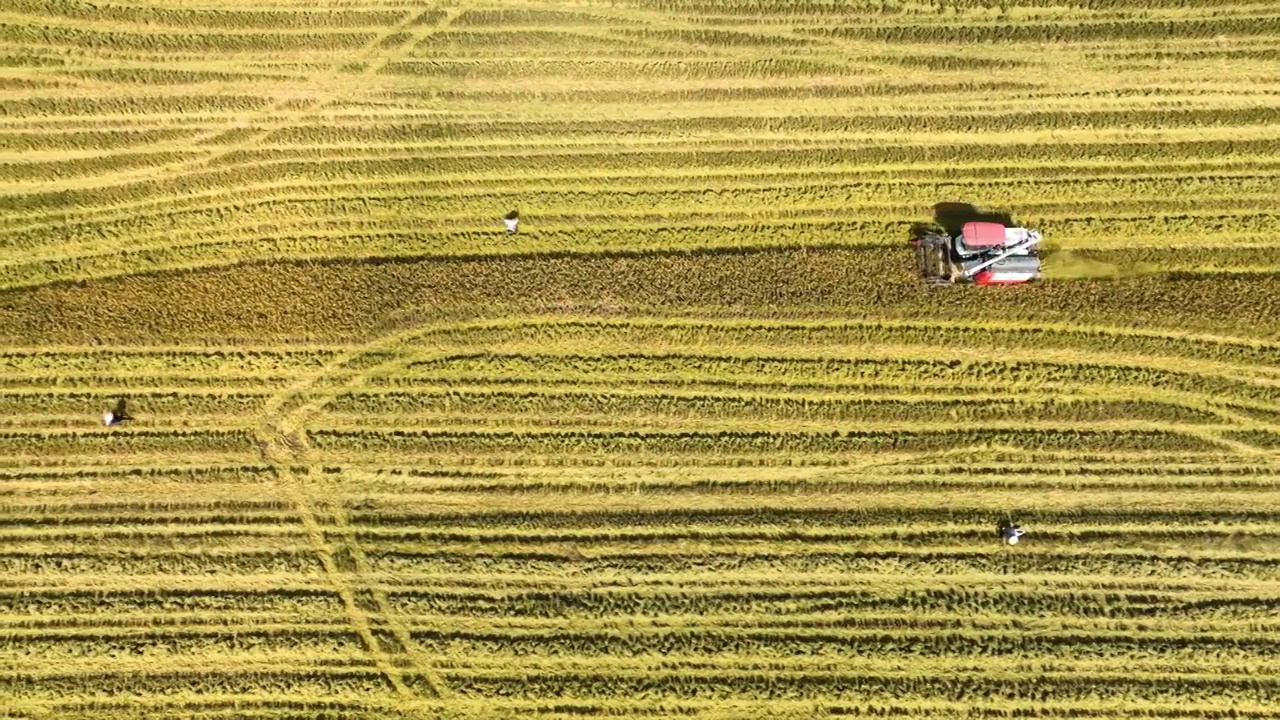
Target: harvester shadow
952 216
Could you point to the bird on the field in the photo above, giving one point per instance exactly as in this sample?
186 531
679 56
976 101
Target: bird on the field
512 219
116 415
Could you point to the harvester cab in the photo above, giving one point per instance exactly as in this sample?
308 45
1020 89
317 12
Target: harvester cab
984 253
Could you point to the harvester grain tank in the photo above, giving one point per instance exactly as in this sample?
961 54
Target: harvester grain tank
983 253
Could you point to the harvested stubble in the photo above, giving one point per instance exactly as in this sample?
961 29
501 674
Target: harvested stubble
695 442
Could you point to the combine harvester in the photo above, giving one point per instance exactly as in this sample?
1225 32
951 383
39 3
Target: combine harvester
984 253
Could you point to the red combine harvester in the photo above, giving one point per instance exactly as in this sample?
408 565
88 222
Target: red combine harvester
984 253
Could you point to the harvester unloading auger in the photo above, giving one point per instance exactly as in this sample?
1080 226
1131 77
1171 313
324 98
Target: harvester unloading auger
985 253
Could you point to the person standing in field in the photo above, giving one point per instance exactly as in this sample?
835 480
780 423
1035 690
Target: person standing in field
512 219
1010 532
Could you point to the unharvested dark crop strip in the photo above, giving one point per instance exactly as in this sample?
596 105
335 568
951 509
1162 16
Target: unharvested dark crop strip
171 563
314 680
100 442
182 473
1060 32
868 514
905 562
677 368
725 684
718 94
234 404
929 479
98 166
902 610
153 76
235 708
538 17
1258 438
827 124
625 444
1261 414
88 139
127 105
558 408
205 19
181 641
748 334
997 339
161 600
171 43
55 515
767 643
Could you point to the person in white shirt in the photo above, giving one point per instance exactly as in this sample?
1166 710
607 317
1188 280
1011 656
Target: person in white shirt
1010 532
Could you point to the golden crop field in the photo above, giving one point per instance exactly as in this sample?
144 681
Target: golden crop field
696 442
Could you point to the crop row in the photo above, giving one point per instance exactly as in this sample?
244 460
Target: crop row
706 644
739 549
628 447
724 679
545 409
750 197
88 139
1194 512
961 524
1117 564
247 473
1039 476
1219 194
209 19
738 371
453 45
680 644
622 68
185 43
317 680
155 403
760 684
41 647
838 336
136 105
920 123
267 706
1058 31
56 563
162 363
176 442
230 214
248 168
104 603
1208 515
774 90
149 511
141 245
288 299
791 605
26 172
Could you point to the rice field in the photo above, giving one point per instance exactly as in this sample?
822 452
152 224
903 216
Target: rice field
696 442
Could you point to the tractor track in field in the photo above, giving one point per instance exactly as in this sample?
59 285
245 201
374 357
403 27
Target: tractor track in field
316 91
281 435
